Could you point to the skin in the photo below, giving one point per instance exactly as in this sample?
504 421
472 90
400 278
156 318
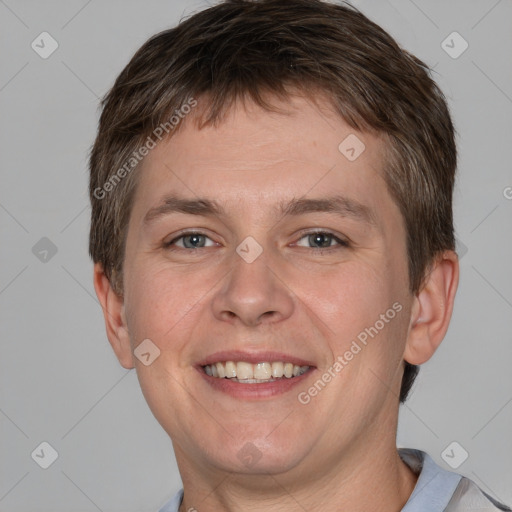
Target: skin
337 452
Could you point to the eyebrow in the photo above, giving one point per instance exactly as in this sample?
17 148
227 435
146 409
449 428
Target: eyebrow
338 204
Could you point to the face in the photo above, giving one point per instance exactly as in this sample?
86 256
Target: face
295 254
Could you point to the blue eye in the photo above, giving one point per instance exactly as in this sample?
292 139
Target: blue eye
196 240
324 239
191 240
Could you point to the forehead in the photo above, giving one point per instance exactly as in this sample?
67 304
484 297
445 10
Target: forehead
248 135
255 155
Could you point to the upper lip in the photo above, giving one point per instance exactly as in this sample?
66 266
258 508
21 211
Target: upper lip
253 357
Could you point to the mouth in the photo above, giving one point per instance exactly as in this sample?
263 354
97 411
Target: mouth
248 375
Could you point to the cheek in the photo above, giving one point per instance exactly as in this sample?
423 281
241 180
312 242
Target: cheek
161 306
158 302
363 312
348 299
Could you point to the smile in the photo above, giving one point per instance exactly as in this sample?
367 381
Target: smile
248 373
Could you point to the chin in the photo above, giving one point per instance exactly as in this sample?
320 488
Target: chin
261 455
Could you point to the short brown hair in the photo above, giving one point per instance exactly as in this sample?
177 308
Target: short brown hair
243 49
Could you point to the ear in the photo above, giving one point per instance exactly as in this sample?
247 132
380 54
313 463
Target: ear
432 309
115 321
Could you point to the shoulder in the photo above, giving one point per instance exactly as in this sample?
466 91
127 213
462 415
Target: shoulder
439 490
468 496
174 504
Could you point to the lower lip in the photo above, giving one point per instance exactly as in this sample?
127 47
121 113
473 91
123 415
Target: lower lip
254 391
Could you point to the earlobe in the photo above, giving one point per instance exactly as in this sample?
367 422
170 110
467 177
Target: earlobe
115 321
432 309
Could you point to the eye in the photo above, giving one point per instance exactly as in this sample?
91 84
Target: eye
318 240
322 240
189 240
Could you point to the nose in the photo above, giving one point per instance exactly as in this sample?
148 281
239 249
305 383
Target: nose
253 293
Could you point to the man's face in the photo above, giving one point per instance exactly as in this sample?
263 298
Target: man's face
305 299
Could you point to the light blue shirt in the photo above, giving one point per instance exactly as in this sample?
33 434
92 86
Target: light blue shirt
436 490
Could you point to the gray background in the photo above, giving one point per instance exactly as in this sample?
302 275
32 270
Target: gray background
59 380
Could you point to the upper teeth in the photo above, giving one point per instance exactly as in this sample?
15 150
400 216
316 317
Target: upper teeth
248 371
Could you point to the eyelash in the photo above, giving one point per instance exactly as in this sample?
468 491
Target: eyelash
341 243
